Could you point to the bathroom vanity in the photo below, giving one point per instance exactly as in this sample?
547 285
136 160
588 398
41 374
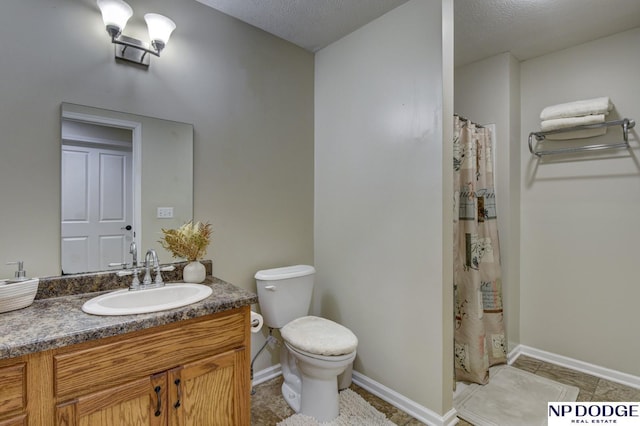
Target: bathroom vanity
185 366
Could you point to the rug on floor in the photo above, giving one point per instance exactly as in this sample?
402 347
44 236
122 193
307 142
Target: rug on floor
512 397
354 411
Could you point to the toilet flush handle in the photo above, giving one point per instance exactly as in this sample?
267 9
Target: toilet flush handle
270 288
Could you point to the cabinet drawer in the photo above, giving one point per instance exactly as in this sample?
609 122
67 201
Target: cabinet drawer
13 388
131 357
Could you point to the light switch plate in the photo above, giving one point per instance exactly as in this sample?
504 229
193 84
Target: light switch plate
165 213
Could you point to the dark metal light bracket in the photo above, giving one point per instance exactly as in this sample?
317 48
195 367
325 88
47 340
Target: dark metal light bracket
133 50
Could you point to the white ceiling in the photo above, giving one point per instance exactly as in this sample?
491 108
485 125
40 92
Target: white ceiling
483 28
530 28
310 24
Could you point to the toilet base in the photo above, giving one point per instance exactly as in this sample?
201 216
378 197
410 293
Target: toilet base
294 382
291 397
292 386
345 379
318 396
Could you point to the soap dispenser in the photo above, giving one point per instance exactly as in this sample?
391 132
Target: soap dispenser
21 274
17 293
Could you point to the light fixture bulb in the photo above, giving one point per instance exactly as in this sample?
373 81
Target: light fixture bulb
160 29
115 14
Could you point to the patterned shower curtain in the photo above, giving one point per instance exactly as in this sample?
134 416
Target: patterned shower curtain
479 327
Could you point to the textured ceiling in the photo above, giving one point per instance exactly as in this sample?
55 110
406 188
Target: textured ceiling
483 28
310 24
530 28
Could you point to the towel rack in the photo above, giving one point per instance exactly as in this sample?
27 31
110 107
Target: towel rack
625 123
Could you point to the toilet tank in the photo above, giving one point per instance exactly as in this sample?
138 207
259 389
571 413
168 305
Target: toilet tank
284 294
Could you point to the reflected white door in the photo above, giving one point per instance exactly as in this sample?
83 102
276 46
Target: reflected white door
96 207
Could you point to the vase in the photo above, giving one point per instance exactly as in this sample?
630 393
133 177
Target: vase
194 272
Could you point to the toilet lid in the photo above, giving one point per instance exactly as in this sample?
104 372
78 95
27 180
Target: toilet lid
319 336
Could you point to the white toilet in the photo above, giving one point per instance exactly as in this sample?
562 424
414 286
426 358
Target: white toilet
315 351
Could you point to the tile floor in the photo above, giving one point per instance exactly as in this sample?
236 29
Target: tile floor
268 407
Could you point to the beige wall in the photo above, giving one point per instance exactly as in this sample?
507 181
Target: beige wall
488 92
248 94
380 246
579 253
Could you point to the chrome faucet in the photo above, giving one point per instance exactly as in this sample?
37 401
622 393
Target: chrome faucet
152 256
150 261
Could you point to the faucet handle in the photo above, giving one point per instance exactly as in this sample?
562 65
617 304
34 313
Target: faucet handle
133 250
158 270
135 283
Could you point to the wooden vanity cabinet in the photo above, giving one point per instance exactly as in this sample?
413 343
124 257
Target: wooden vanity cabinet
189 373
131 403
204 392
20 420
13 398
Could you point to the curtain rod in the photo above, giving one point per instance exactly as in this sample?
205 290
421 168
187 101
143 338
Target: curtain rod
463 118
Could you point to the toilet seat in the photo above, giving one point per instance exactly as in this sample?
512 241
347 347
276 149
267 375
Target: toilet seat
319 337
327 358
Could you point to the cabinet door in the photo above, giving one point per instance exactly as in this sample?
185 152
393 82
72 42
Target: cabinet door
20 420
140 402
13 391
212 391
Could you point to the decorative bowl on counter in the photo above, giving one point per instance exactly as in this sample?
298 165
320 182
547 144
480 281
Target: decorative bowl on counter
17 294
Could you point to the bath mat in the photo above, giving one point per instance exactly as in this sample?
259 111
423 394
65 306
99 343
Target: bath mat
512 397
354 411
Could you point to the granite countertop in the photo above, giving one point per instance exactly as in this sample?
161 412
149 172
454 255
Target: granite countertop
55 322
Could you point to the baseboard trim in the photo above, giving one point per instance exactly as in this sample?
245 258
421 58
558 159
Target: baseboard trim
381 391
405 404
574 364
266 374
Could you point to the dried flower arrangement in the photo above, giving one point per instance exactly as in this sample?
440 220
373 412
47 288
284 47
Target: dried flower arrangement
189 242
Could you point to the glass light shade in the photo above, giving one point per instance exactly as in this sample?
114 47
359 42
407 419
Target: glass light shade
115 13
160 27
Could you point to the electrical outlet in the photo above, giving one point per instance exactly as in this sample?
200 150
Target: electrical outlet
165 213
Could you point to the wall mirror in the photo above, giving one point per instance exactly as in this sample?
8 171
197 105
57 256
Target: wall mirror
124 177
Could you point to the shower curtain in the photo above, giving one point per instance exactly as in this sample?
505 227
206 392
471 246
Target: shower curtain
479 328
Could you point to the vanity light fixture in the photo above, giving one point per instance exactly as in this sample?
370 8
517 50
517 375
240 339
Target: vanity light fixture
116 13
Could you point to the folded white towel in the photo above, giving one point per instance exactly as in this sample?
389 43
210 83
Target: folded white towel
578 108
577 134
563 123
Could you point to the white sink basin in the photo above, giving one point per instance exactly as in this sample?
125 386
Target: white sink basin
125 302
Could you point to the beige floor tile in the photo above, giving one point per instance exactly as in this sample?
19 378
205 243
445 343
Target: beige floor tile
413 422
584 396
392 413
585 382
526 363
268 407
610 391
